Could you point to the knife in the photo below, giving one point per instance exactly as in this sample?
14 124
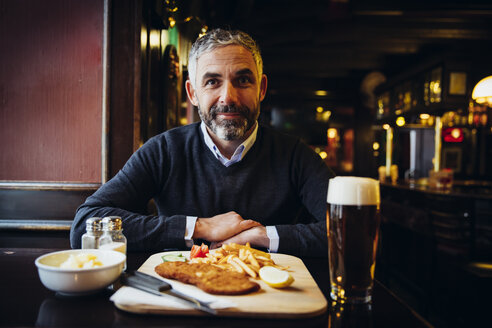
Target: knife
156 286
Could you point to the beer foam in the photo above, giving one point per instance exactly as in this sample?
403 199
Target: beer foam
353 191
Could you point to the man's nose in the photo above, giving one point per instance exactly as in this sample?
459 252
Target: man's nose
228 94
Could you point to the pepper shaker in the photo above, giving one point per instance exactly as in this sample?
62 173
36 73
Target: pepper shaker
112 237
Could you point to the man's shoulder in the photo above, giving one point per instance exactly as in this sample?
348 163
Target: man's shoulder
172 140
180 134
185 131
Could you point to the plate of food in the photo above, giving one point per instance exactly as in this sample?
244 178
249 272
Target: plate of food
258 284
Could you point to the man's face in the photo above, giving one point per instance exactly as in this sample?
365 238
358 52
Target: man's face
228 91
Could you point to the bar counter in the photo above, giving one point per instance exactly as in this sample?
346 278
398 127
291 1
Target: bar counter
462 188
436 250
26 302
462 214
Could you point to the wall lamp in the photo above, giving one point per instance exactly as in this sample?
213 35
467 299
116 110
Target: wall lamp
482 92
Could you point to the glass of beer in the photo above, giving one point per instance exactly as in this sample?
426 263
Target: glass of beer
352 220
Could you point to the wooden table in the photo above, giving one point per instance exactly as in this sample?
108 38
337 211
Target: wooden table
26 302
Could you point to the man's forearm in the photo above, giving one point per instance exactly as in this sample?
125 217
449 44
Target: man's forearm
221 226
144 232
199 229
256 236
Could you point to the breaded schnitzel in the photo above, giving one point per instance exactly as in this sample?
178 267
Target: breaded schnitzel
207 277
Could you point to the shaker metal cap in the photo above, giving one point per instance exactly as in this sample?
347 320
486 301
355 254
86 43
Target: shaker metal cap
111 223
93 224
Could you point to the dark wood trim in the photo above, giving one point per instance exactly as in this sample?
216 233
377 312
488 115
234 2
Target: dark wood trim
105 155
124 83
33 185
36 225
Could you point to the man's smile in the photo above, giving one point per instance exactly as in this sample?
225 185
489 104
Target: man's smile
229 115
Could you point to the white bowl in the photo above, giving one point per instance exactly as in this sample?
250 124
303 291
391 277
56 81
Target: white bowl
79 281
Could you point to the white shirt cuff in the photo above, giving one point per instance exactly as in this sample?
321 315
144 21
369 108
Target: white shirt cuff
189 230
272 234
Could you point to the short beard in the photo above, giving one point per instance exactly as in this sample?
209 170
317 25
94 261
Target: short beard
229 129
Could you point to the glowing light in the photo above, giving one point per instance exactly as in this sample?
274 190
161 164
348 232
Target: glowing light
380 106
172 22
323 154
321 93
482 92
154 39
143 38
400 121
183 121
332 133
436 87
203 31
375 145
165 37
386 126
322 115
326 115
398 111
453 135
170 6
424 116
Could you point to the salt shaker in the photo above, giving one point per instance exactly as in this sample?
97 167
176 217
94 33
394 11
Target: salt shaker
90 239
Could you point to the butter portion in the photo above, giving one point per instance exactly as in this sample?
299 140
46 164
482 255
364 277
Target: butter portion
81 261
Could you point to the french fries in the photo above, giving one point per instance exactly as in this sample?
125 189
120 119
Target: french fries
239 258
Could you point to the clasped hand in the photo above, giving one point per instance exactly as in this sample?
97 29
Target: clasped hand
230 228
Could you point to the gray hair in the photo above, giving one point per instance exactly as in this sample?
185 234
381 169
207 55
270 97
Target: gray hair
220 38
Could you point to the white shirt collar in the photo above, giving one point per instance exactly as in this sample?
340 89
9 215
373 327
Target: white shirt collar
240 151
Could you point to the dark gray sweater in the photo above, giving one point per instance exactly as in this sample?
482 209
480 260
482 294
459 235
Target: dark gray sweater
280 182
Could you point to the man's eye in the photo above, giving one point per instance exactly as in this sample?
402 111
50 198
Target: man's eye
211 82
244 80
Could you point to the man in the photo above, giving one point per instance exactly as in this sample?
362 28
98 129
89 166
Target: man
225 179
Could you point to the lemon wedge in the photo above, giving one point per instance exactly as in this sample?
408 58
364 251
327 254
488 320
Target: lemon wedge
275 277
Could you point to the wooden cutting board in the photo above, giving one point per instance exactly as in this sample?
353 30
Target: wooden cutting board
300 300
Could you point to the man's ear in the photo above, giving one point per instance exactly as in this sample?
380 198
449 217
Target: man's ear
263 87
190 91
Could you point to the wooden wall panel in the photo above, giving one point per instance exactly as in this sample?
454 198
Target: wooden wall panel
51 90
